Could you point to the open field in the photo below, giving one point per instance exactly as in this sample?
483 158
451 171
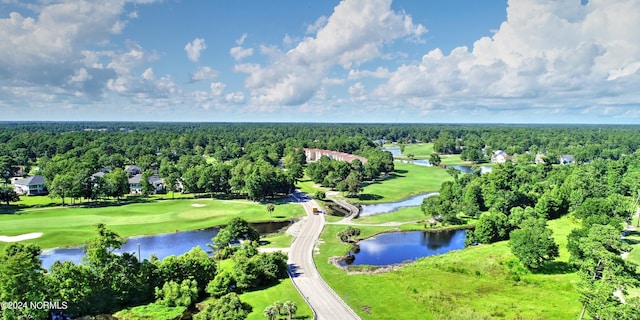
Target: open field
473 283
66 226
408 180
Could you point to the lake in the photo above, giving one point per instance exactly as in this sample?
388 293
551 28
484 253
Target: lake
372 209
397 247
161 245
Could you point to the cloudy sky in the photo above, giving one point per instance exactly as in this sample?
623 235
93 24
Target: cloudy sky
517 61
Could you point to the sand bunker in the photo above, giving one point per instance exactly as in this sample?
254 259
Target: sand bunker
21 237
198 205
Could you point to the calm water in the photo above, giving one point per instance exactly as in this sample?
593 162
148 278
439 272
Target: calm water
395 150
162 245
467 169
397 247
372 209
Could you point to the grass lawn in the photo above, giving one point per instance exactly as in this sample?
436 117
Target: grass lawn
65 226
284 291
309 187
419 150
408 180
278 240
474 283
406 214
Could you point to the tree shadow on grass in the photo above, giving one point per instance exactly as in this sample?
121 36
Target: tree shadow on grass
369 196
555 267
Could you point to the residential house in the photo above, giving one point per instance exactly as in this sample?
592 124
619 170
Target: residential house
500 156
539 158
316 154
31 186
567 159
135 185
133 170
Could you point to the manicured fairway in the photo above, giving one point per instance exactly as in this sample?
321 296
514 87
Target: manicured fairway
72 226
473 283
408 180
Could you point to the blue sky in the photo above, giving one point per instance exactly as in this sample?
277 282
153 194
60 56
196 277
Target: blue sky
518 61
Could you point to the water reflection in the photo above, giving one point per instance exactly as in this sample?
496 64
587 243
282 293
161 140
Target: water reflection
372 209
397 247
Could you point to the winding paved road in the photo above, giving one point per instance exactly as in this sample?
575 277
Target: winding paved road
325 303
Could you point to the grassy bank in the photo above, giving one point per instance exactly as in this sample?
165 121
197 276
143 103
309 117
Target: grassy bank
474 283
408 180
407 214
66 226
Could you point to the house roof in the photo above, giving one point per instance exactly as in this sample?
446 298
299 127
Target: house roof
567 157
37 179
136 179
133 168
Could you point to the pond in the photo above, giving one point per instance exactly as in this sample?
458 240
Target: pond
372 209
468 169
395 150
162 245
397 247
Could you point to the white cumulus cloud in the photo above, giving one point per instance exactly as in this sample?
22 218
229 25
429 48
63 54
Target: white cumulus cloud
194 49
204 73
352 35
239 53
546 54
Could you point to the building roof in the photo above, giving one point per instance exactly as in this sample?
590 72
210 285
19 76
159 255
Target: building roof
35 180
138 177
133 169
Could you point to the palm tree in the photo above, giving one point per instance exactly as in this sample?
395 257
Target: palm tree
270 312
291 308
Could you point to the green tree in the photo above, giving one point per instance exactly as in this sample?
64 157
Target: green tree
320 195
61 186
353 184
7 194
228 307
147 187
8 168
71 283
221 284
117 183
434 159
602 270
290 308
173 294
492 227
533 244
22 279
270 312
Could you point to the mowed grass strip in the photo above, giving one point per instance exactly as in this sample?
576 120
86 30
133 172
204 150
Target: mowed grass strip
68 226
408 180
406 214
473 283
